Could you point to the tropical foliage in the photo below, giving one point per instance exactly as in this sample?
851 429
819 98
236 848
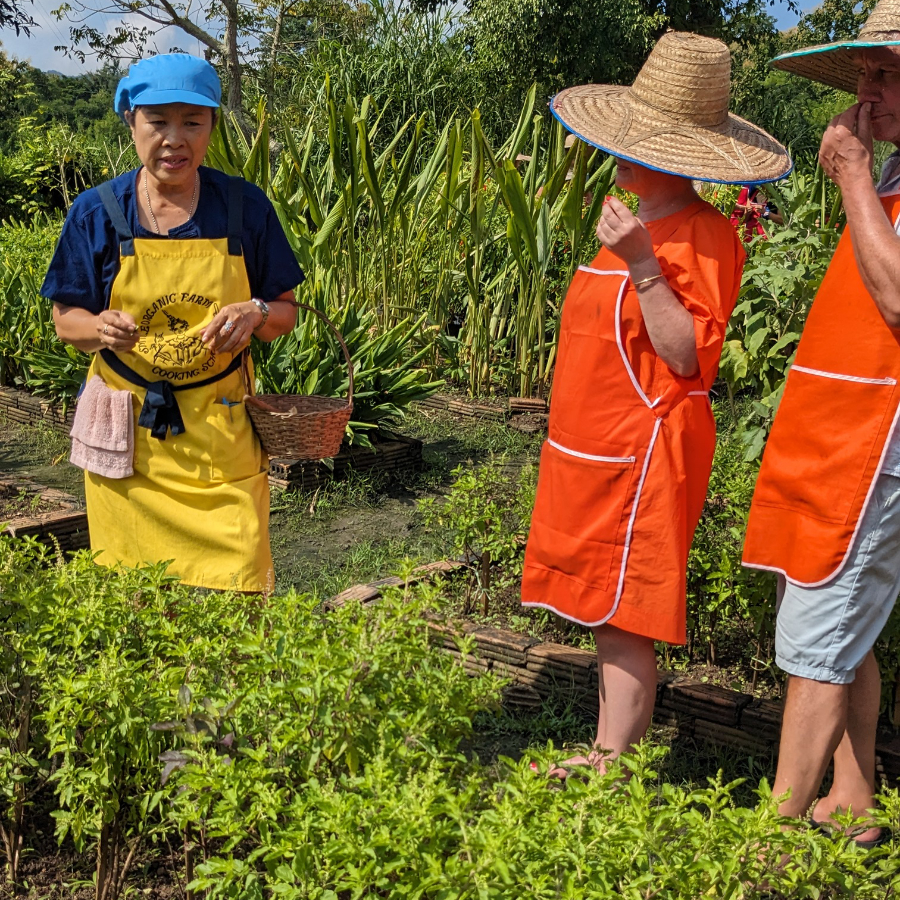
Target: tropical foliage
276 750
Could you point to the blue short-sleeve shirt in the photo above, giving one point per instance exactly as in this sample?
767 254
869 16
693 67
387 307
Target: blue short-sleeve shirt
86 260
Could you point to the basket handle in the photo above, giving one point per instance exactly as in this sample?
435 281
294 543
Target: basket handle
336 333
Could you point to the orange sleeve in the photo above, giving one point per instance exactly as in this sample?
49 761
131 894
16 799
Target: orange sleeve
703 261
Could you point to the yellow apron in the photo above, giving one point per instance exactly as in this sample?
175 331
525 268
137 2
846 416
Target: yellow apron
199 495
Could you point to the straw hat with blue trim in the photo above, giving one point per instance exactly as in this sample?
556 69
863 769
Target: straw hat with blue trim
675 117
834 64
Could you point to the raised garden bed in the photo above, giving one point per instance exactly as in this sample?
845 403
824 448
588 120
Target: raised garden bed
539 670
53 517
26 409
471 409
395 457
527 414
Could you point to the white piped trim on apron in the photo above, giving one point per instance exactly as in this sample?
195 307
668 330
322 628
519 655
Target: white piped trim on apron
865 506
609 459
840 377
624 273
621 345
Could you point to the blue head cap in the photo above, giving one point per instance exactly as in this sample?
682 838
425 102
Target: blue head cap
168 78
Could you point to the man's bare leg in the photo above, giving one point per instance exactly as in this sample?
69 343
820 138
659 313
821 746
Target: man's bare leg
815 719
853 787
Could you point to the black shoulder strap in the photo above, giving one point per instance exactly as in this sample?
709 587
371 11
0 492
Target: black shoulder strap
117 217
235 215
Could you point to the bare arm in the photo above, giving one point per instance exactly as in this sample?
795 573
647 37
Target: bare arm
846 157
88 332
669 325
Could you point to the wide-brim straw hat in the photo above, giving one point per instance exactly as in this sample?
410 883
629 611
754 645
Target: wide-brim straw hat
835 64
675 117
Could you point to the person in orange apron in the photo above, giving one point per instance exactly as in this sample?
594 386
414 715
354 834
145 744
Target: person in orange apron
826 511
623 475
164 274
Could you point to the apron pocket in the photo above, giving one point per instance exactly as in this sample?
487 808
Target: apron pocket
822 440
234 450
578 514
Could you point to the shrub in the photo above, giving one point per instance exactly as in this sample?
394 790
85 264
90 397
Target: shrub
301 754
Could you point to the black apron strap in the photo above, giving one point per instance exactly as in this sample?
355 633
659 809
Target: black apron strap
235 215
160 412
117 217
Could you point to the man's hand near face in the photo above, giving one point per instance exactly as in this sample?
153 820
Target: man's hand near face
846 156
846 152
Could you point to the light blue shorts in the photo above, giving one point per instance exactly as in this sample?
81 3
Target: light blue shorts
824 633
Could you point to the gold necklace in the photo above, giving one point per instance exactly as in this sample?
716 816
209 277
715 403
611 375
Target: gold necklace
150 207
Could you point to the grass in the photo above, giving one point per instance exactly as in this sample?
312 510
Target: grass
365 527
39 453
367 561
43 443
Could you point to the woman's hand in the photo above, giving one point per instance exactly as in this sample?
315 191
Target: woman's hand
116 330
231 329
621 232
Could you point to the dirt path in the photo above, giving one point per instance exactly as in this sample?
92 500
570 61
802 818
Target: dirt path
348 532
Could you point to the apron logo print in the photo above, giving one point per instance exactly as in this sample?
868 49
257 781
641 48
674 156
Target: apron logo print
177 325
169 339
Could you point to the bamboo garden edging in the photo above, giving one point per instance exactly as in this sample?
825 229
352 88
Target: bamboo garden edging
26 409
539 670
527 414
65 526
398 456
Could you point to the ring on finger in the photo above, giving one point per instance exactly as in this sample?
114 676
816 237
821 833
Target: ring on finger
228 327
106 329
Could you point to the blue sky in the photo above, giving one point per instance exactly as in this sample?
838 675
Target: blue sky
49 33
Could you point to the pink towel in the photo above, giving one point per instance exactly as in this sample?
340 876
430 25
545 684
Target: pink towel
103 431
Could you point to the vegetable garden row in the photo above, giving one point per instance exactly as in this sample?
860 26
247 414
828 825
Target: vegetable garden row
272 750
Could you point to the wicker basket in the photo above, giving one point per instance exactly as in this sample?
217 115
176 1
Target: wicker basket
302 426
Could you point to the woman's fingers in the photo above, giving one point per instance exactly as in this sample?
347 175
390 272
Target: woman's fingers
229 335
117 330
231 329
211 331
237 337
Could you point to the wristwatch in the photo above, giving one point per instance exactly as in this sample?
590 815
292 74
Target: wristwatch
263 307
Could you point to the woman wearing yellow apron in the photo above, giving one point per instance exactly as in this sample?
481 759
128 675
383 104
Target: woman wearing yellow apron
165 274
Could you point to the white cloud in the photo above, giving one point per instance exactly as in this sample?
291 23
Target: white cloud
48 33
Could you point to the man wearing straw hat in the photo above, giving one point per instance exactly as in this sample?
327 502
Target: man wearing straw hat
826 511
624 473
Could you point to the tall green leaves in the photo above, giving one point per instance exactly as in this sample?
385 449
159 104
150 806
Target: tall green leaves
31 356
444 227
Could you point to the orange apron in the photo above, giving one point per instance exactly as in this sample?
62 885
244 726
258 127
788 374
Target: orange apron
620 492
831 432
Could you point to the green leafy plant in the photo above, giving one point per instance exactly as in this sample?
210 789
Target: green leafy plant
781 277
387 372
299 753
31 356
484 517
